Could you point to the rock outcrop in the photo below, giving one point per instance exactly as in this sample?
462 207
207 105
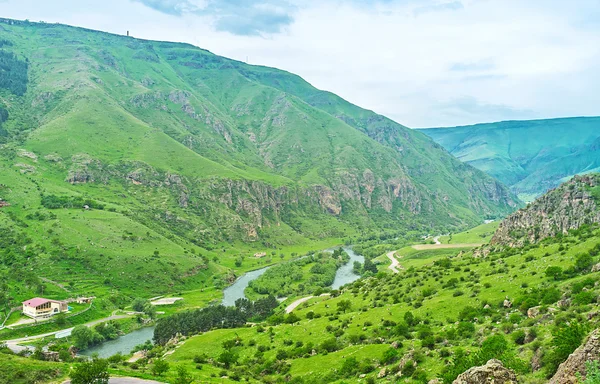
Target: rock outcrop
575 364
492 372
567 207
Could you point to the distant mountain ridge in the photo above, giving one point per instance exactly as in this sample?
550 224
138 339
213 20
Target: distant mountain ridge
530 156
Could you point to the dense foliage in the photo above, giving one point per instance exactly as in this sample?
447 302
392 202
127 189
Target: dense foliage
13 73
205 319
305 275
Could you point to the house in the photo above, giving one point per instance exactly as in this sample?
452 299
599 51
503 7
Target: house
260 254
85 300
40 308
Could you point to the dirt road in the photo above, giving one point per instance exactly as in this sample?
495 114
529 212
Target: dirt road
424 247
395 264
296 303
125 380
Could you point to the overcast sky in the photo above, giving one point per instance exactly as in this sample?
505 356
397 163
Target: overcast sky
424 63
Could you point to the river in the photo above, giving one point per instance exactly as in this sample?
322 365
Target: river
123 344
343 276
126 343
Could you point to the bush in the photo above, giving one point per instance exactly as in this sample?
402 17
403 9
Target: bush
584 298
565 340
389 356
95 371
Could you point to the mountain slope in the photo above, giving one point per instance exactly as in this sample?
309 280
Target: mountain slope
215 157
568 207
529 156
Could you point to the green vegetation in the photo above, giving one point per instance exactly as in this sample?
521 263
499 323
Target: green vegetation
562 148
21 370
298 277
480 234
95 371
415 317
132 168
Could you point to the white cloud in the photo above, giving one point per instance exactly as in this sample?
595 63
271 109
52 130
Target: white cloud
400 58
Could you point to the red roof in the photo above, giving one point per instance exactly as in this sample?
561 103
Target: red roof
35 302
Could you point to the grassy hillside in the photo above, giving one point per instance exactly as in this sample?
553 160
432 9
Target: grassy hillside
529 156
448 310
187 162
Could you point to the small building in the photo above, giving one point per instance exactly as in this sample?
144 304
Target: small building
85 300
258 255
40 308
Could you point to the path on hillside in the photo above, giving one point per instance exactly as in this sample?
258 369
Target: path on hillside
296 303
125 380
436 240
59 285
424 247
395 264
14 346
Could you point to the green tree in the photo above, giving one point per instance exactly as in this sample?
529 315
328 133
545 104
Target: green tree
60 320
344 305
227 358
90 372
139 304
160 366
183 376
82 336
369 266
583 262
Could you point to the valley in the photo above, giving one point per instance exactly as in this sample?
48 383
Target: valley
172 215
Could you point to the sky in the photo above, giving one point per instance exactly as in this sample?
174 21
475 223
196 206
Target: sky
423 63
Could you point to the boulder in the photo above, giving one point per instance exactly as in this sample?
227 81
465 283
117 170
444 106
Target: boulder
492 372
596 268
382 373
507 304
533 312
575 364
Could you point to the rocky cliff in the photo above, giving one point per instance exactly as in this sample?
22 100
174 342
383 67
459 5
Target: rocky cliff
575 365
571 205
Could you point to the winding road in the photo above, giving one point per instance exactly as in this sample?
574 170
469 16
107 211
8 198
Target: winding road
395 266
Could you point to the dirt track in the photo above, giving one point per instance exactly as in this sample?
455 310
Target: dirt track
424 247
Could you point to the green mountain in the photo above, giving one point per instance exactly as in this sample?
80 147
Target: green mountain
187 161
529 156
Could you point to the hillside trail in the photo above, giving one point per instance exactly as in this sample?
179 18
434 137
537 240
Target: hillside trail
395 266
436 240
125 380
296 303
424 247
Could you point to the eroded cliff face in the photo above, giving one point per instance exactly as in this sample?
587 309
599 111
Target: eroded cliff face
241 208
567 207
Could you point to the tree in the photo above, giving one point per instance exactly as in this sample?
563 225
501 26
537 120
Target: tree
584 262
227 358
82 336
554 272
344 305
183 376
90 372
369 266
160 366
150 310
60 320
138 305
